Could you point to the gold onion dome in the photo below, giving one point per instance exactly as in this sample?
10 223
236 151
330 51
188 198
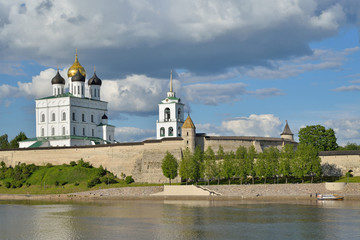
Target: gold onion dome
58 79
76 67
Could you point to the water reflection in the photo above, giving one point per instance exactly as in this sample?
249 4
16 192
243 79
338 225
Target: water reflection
180 220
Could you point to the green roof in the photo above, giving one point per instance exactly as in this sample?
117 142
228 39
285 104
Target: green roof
37 144
66 95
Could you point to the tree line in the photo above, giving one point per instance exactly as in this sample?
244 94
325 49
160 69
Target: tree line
14 143
244 164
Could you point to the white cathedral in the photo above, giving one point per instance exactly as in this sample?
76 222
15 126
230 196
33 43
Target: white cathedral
70 118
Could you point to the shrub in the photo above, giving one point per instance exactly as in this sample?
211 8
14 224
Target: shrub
49 165
28 184
76 183
101 171
63 183
73 163
17 184
7 184
348 174
84 164
129 180
91 183
108 179
56 183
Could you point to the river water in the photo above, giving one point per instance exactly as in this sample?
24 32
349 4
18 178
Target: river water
185 219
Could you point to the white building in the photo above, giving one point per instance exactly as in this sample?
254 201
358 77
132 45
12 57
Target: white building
171 115
70 118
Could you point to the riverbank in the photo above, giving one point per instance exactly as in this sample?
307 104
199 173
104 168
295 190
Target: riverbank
228 192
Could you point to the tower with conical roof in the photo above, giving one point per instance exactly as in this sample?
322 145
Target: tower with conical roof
94 87
188 130
171 115
287 134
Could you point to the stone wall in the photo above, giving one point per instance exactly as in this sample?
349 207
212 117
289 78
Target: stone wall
344 160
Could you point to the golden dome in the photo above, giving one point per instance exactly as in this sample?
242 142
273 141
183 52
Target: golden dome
75 67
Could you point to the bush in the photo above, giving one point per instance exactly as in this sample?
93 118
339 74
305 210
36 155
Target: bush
76 183
348 174
56 183
73 163
84 164
49 165
91 183
63 183
7 184
17 184
129 180
28 184
108 179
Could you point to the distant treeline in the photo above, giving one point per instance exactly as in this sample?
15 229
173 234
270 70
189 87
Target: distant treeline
14 143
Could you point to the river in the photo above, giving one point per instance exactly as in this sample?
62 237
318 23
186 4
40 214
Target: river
175 219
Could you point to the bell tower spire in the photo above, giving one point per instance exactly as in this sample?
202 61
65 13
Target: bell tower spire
171 93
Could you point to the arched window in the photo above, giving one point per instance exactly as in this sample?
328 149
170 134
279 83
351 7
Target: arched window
74 131
171 131
92 132
94 92
83 117
179 132
42 132
63 131
42 117
52 131
64 116
83 131
167 114
98 93
73 116
78 92
53 117
162 132
179 112
92 118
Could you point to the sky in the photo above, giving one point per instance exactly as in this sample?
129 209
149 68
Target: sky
242 67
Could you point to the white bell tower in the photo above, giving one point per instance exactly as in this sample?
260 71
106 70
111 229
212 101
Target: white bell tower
171 115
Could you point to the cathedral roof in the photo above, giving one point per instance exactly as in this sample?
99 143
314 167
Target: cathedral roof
188 123
287 130
104 116
78 77
94 80
58 79
76 67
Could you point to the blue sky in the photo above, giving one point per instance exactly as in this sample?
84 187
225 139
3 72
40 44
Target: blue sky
241 67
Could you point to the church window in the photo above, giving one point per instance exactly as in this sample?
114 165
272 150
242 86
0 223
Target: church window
179 112
167 114
42 132
109 137
42 117
94 92
92 118
52 131
53 117
63 131
98 93
73 116
74 131
64 116
162 132
171 131
187 134
78 90
179 132
83 131
92 132
83 117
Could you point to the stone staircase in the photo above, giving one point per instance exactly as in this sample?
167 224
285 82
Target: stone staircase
187 190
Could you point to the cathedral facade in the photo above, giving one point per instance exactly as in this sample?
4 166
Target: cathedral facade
73 117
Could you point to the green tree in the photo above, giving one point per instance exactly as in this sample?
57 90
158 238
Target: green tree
210 167
14 143
319 137
4 142
197 165
228 169
240 163
267 163
169 166
286 155
306 162
250 161
350 146
220 156
185 165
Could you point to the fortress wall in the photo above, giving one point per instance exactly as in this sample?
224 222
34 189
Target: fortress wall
344 162
228 145
141 160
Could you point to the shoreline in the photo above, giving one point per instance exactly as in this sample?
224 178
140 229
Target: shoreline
275 192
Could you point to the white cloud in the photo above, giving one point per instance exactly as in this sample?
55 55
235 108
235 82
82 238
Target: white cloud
347 88
264 125
132 134
346 130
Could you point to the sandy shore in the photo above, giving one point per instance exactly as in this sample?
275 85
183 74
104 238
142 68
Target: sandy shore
229 192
